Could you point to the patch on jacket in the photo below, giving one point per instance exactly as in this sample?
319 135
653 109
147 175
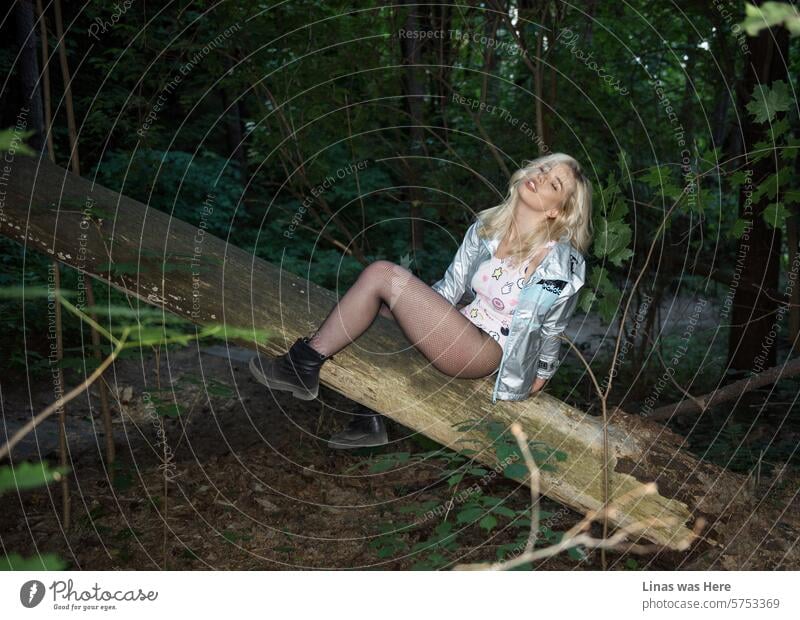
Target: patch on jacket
572 262
544 365
553 286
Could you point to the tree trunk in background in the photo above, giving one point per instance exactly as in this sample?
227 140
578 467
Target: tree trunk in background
793 241
411 50
233 131
753 314
29 71
445 59
233 125
491 22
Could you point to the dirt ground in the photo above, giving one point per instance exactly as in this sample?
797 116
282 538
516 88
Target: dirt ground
251 483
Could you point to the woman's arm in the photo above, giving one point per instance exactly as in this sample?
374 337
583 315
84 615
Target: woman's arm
555 322
454 282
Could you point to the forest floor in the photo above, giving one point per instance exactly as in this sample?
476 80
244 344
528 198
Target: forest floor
251 482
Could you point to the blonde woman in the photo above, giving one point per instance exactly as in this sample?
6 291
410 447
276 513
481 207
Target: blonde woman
521 265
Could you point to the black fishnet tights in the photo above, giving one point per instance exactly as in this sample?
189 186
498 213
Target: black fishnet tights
453 344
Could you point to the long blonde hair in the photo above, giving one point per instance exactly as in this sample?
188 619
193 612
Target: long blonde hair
574 220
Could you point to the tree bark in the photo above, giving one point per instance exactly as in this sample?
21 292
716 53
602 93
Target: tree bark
211 281
750 346
412 58
29 71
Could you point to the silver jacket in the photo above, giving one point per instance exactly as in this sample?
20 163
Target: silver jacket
546 303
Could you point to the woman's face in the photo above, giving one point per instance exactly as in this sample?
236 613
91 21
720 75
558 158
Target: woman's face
546 190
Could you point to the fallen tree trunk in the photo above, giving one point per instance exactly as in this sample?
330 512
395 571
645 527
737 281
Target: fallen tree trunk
206 280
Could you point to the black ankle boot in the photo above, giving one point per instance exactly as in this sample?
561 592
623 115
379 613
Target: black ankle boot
366 430
296 371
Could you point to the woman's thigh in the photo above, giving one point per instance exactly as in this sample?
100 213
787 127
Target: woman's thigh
448 339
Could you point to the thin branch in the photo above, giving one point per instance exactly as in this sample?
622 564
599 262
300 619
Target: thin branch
522 442
20 434
734 390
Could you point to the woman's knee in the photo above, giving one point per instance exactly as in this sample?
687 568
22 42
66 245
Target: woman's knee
377 276
386 274
381 267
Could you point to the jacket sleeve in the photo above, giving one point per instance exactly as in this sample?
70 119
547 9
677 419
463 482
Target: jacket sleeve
555 322
453 284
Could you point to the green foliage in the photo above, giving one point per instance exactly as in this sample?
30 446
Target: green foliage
28 476
600 295
201 189
766 103
45 561
12 140
770 14
768 100
471 509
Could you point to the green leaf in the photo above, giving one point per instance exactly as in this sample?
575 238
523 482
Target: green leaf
46 561
770 14
775 215
612 240
737 179
490 500
768 101
29 475
505 451
659 178
739 228
444 528
772 184
387 461
215 388
504 511
11 139
788 153
169 410
381 466
454 480
604 294
488 523
515 471
791 197
468 515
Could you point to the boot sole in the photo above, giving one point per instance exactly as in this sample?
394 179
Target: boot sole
280 385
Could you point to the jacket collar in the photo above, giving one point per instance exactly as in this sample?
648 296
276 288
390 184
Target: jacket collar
558 264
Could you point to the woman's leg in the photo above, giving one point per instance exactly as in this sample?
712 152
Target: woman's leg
447 338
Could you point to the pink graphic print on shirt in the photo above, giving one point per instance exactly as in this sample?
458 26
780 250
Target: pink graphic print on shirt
496 285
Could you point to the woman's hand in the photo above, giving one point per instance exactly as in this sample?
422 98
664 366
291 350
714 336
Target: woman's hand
538 384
